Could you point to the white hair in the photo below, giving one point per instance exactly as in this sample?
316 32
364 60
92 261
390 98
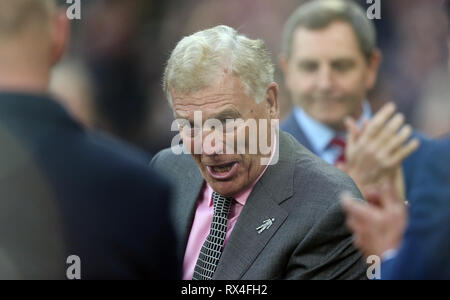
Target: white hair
199 59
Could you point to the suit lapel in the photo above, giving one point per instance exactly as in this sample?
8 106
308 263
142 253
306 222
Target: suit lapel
186 196
245 244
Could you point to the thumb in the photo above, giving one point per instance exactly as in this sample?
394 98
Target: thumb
352 130
373 196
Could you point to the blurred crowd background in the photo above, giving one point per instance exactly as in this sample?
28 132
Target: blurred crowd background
111 78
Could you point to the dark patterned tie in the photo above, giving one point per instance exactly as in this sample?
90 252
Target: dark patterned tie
212 248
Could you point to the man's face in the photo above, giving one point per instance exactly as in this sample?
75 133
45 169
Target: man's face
227 173
327 73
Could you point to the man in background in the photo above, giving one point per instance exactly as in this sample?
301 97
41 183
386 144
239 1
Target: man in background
63 191
330 62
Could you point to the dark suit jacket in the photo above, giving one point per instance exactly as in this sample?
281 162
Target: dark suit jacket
410 165
66 192
425 253
308 240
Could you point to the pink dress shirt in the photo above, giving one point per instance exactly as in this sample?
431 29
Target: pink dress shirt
202 223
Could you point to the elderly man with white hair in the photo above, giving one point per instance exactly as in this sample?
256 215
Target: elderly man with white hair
242 213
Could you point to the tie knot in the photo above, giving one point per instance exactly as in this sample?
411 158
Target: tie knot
221 204
338 142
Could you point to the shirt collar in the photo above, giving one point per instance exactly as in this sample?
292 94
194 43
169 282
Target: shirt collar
241 198
367 113
320 135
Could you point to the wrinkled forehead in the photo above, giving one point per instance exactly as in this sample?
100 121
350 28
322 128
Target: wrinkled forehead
226 97
335 40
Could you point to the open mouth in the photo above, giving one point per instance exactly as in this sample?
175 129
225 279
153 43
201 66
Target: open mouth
223 168
223 171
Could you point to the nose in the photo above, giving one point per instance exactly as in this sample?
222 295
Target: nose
324 79
213 142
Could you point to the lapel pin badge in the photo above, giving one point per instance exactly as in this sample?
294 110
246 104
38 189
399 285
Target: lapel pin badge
265 225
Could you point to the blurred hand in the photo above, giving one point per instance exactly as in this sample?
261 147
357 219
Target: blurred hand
375 152
379 224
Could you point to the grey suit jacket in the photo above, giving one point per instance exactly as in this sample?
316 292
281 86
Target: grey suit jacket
308 240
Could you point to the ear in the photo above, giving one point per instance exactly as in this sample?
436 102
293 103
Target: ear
272 100
60 35
373 65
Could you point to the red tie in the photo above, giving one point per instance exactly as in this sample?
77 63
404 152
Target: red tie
340 143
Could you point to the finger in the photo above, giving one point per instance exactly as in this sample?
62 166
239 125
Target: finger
380 119
353 225
352 138
357 241
356 210
404 152
357 225
352 129
390 129
373 196
361 237
364 125
397 141
353 151
366 159
360 129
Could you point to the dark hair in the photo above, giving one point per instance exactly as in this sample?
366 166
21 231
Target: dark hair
321 13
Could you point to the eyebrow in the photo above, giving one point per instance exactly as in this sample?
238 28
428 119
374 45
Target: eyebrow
227 114
343 59
221 116
315 59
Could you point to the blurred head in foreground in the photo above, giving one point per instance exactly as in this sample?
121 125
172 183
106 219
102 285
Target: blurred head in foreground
33 37
73 87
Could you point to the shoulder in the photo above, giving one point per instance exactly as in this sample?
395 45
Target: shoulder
114 165
433 174
426 163
317 218
440 150
421 153
115 148
111 154
323 185
317 185
436 154
172 162
316 177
